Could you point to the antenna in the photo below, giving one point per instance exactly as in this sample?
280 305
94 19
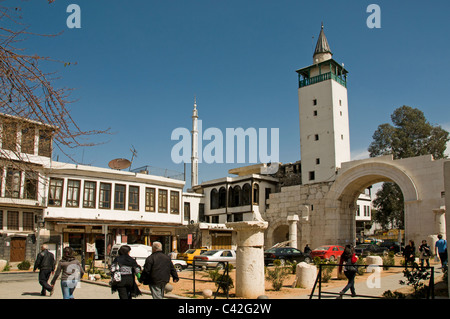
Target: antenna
134 154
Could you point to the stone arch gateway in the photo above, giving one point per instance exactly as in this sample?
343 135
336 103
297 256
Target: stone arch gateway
330 218
421 180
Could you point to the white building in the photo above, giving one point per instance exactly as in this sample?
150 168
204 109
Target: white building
85 207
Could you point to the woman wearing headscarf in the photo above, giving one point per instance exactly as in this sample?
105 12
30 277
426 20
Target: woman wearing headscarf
71 272
124 269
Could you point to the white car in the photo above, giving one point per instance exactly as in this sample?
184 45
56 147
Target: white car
216 258
141 252
179 264
138 252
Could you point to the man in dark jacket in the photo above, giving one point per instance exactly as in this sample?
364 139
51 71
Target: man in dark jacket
45 262
158 268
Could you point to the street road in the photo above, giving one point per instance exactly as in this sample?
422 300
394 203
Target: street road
26 286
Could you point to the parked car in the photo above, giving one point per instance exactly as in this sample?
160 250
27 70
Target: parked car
370 249
189 254
285 254
394 246
138 252
328 252
216 258
179 264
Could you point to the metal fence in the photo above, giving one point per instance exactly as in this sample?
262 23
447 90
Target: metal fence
218 282
318 282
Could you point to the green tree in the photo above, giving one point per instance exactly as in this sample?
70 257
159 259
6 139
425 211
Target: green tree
389 212
410 135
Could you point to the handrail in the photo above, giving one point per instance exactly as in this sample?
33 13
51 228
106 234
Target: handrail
430 292
320 78
225 273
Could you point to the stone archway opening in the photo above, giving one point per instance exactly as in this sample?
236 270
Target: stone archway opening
280 234
420 180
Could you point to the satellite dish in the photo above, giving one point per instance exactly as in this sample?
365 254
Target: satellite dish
119 163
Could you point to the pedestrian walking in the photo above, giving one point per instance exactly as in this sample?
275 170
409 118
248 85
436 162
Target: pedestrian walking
71 272
409 253
425 253
124 270
45 262
307 250
158 268
441 250
347 262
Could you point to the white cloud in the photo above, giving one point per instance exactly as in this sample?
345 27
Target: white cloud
359 154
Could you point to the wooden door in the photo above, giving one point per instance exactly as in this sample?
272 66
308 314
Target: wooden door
221 241
17 252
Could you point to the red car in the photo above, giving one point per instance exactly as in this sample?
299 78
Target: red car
330 252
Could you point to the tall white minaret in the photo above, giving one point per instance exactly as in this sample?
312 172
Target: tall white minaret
324 120
194 151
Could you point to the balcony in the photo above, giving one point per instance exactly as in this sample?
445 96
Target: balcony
321 78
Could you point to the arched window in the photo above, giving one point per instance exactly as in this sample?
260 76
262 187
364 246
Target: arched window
230 196
237 196
214 199
255 194
222 197
246 194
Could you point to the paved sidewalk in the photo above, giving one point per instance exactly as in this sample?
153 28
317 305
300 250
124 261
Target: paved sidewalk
369 288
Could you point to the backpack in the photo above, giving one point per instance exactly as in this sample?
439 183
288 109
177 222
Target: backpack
350 264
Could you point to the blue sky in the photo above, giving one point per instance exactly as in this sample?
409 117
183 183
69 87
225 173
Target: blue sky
139 65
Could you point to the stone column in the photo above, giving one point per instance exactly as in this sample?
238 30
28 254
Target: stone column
439 220
293 220
250 258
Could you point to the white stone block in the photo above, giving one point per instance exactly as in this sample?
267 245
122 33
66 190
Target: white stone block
305 275
374 260
3 264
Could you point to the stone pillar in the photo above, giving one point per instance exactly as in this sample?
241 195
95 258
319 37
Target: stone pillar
250 258
439 219
293 220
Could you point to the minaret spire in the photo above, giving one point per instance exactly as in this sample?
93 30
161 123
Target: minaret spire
322 51
194 151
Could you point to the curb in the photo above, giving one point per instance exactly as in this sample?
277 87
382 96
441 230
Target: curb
144 292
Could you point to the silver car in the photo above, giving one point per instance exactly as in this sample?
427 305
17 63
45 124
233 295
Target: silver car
216 258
